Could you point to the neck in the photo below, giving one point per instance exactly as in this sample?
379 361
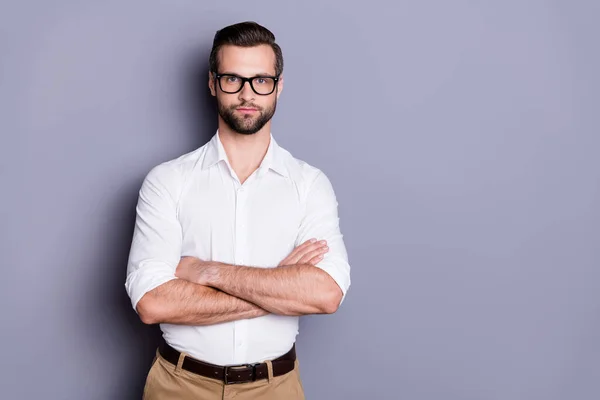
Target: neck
244 152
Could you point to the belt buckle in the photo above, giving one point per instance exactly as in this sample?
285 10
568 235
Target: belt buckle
240 367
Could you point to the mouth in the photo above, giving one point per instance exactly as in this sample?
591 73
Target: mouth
246 110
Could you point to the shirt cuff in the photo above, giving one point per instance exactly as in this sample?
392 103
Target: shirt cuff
149 275
340 277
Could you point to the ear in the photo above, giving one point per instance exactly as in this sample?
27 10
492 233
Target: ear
279 86
211 84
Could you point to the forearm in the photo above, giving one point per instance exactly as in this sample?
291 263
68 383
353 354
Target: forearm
186 303
287 290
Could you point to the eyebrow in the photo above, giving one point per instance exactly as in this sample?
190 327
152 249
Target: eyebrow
236 74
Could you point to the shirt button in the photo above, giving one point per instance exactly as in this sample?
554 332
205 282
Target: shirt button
239 344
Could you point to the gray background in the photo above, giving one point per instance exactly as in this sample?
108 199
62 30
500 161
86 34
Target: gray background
461 139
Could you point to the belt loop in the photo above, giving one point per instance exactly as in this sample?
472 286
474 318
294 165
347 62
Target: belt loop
269 370
180 362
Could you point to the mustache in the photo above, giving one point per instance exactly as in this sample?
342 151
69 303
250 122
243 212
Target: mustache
246 104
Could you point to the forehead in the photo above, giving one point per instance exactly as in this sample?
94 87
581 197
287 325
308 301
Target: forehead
247 61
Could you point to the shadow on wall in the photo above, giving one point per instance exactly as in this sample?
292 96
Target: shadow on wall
135 343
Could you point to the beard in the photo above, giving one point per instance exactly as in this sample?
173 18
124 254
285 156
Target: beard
246 124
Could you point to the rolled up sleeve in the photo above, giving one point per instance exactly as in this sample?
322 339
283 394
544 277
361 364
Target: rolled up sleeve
157 238
321 221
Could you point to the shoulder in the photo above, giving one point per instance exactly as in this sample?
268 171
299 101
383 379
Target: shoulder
306 177
170 175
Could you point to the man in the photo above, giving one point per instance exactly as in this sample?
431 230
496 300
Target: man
234 241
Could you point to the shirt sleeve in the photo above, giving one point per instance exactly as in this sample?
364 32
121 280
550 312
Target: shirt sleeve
156 245
321 221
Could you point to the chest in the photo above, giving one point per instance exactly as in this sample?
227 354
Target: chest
255 224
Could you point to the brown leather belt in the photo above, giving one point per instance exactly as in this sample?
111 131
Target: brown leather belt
234 373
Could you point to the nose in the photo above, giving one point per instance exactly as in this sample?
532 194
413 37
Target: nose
246 94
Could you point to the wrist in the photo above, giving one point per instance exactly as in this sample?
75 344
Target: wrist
213 273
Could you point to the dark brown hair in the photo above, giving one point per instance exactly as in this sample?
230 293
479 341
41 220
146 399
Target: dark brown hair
244 34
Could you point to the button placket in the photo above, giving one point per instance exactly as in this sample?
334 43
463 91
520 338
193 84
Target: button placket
240 222
240 342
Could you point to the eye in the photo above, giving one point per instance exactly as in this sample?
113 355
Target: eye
262 81
232 79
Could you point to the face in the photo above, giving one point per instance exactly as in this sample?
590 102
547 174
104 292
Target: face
246 112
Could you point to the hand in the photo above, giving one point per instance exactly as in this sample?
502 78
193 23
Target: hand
309 252
196 270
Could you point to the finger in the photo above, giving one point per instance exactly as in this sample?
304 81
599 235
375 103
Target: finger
313 254
306 245
298 252
312 247
316 260
299 248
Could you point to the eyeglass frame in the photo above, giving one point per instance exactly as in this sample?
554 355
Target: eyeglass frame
249 80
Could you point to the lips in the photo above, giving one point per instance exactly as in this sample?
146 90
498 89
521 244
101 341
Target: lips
247 110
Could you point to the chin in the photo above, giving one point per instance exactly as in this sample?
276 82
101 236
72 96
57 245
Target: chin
251 130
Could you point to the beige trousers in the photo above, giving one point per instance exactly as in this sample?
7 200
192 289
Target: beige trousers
166 381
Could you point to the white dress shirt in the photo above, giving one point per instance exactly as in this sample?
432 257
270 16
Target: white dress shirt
195 205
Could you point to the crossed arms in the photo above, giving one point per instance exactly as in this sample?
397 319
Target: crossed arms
167 288
210 293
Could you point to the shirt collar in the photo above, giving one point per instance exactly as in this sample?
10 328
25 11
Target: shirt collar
274 159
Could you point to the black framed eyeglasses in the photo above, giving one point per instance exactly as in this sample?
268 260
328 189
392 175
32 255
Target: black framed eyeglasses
261 85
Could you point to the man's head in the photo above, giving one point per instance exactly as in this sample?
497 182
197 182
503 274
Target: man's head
245 50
